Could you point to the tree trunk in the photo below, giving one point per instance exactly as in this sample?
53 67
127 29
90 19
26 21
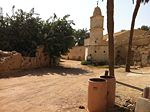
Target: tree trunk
110 29
128 60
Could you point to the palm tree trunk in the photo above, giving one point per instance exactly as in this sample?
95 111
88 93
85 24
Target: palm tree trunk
128 60
110 28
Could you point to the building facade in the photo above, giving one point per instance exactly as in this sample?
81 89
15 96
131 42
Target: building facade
140 47
95 46
76 53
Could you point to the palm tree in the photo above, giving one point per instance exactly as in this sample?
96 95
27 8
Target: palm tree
136 9
110 29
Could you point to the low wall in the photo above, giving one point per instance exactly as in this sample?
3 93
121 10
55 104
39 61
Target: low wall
76 53
14 60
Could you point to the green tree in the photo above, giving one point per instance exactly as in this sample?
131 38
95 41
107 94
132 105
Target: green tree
80 35
136 9
21 32
144 27
58 36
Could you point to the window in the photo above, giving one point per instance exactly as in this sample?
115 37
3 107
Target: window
95 51
118 51
104 51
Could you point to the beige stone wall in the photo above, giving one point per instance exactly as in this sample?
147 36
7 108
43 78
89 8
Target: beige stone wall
98 53
86 41
97 21
141 55
140 51
76 53
120 55
10 61
14 60
96 36
123 36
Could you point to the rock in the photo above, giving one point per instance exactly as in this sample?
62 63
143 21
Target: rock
131 107
81 107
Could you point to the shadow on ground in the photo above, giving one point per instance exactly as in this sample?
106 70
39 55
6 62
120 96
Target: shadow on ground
60 70
118 108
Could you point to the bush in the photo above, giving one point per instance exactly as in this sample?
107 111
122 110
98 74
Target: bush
94 63
86 63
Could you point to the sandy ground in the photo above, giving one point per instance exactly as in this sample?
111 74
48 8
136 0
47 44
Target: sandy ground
63 89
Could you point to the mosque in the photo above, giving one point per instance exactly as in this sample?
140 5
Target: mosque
96 46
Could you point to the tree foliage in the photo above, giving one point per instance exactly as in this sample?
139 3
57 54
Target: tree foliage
20 32
144 27
58 36
23 32
80 35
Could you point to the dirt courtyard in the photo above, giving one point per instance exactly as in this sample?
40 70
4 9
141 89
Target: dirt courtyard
64 88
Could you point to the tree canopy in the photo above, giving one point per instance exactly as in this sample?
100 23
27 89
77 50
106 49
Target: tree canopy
23 32
80 35
144 27
58 35
20 32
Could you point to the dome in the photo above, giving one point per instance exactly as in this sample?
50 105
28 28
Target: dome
97 11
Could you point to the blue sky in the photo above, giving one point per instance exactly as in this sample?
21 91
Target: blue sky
81 10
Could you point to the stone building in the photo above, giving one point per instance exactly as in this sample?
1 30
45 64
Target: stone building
96 47
140 50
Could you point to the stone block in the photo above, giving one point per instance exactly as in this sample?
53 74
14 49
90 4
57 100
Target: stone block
10 61
26 64
142 105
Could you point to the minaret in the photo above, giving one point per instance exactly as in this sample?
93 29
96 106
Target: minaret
96 27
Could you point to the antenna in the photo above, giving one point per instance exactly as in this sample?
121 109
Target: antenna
97 3
1 11
1 14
